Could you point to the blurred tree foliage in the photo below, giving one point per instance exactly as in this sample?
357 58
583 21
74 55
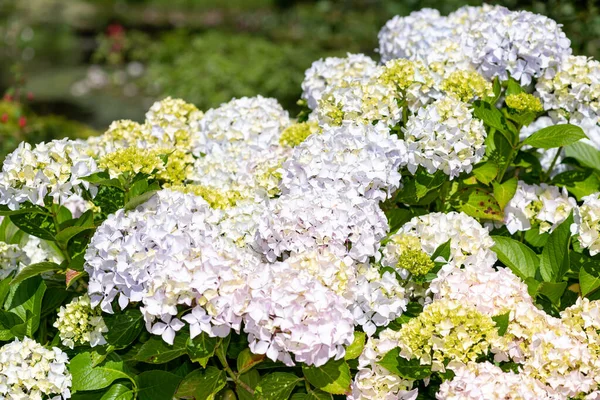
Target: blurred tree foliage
205 51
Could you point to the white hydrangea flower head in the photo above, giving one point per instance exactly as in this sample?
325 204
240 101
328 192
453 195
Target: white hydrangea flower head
343 222
30 371
168 253
470 242
374 382
365 158
79 324
239 223
574 86
587 223
331 71
52 169
413 35
476 381
290 313
492 292
38 250
360 101
444 136
12 258
540 205
256 121
520 44
378 298
172 123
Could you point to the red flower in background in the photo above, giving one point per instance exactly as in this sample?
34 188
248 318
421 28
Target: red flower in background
22 122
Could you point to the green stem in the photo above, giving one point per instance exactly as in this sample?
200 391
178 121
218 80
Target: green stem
231 373
554 160
61 246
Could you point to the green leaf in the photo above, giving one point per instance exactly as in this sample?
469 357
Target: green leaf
276 386
123 327
479 203
201 348
521 260
513 87
333 377
118 392
555 136
25 300
246 360
67 234
35 269
139 200
156 351
493 118
586 155
312 395
103 179
408 369
26 208
86 376
443 250
485 173
356 347
38 225
553 291
502 322
202 384
578 183
425 182
250 378
555 256
589 277
498 149
504 192
535 238
156 385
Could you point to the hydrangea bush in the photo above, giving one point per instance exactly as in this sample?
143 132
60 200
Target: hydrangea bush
427 228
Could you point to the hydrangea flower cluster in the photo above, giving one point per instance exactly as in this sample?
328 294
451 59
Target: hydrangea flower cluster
30 371
53 170
543 206
12 258
444 136
78 323
587 223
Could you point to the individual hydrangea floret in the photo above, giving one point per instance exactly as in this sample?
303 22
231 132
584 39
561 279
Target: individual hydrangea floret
444 136
331 71
343 222
467 85
53 169
28 370
80 324
361 158
540 205
253 121
587 223
524 102
290 313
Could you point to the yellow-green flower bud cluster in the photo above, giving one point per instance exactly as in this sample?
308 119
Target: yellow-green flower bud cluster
406 253
403 74
216 198
467 85
297 133
447 331
131 160
79 324
524 102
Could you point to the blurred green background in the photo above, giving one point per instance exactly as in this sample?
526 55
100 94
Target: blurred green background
66 65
